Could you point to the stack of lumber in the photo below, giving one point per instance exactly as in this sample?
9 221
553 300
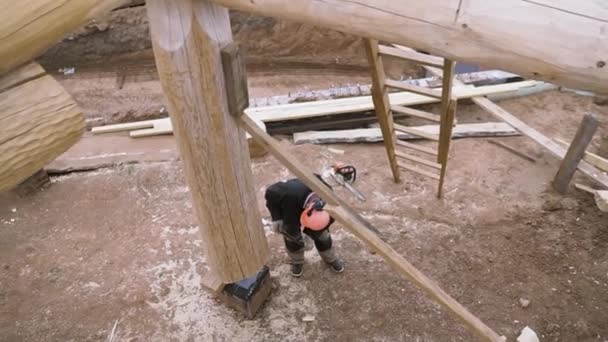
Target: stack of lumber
39 121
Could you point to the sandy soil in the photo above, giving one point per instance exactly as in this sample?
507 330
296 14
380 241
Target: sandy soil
122 244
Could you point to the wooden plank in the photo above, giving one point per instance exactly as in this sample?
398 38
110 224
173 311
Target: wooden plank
365 231
236 79
187 37
294 111
424 149
506 35
160 127
544 141
413 88
398 263
126 126
381 103
293 164
591 158
575 153
39 121
418 159
28 28
416 113
601 199
420 171
413 56
488 129
417 132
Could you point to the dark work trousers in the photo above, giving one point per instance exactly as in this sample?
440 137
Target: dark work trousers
294 242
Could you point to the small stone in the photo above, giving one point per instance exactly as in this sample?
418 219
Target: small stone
524 302
14 210
552 204
308 318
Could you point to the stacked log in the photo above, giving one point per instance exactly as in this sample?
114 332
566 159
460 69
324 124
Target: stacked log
39 120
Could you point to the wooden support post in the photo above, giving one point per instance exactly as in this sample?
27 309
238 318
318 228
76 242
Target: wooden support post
367 233
381 103
448 111
444 145
187 36
575 153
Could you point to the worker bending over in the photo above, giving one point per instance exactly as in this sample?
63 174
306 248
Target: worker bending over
295 208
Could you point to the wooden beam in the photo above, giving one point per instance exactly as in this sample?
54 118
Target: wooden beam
303 110
444 145
413 56
591 158
407 270
236 79
187 36
413 88
535 135
28 28
381 103
575 153
477 130
506 34
366 232
39 121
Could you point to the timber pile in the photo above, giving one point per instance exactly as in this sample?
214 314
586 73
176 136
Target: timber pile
39 121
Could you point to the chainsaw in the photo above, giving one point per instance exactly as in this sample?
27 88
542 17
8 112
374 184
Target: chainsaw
345 175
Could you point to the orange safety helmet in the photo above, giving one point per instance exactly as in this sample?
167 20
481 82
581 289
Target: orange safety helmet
314 217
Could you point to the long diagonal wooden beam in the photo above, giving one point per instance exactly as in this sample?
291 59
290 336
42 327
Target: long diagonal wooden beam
361 228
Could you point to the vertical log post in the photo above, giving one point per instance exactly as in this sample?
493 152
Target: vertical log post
381 103
187 37
575 153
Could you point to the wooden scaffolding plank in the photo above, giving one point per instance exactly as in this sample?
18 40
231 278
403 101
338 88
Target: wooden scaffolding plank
381 103
417 159
413 56
416 113
424 149
417 132
413 88
418 170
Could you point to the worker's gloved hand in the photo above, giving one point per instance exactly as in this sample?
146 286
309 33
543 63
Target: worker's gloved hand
277 226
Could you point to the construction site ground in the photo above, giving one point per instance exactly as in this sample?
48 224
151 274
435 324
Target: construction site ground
120 245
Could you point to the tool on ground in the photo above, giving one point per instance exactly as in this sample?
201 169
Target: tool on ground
345 175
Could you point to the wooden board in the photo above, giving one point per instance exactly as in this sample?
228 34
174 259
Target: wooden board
601 199
39 121
593 159
539 138
365 103
187 37
408 271
555 40
490 129
28 28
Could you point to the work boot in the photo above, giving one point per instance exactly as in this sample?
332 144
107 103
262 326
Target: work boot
337 266
297 270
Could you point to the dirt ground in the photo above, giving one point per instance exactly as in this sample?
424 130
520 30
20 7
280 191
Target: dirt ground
120 245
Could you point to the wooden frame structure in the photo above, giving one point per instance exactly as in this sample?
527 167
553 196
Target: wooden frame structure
399 159
188 36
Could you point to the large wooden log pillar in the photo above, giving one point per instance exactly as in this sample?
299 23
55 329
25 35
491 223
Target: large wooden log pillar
187 36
